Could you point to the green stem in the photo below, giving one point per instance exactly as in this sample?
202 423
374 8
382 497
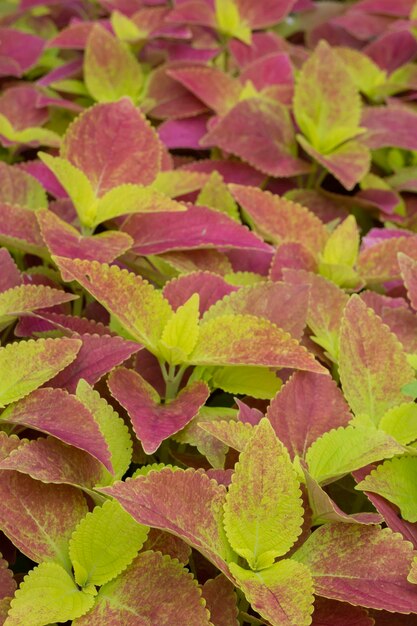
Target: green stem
312 175
172 380
250 619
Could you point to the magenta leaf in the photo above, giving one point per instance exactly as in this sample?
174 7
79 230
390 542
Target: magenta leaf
10 275
306 407
265 12
198 227
153 422
196 500
389 126
220 600
271 148
134 157
354 569
210 288
64 240
19 51
39 518
98 355
61 415
19 229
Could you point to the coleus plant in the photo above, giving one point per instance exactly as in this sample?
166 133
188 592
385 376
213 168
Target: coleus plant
208 313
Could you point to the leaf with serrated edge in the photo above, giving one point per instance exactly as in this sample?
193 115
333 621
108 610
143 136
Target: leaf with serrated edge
395 480
366 346
111 425
327 105
236 435
408 268
185 503
250 340
39 519
400 422
306 407
349 563
48 594
152 421
282 593
62 415
110 69
180 333
258 382
26 365
128 152
24 299
216 195
263 509
139 307
221 601
342 247
18 187
344 450
154 589
104 543
7 582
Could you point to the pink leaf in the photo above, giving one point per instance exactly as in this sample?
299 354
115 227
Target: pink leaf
19 105
171 100
127 152
306 407
217 90
349 563
393 49
231 171
61 415
183 133
64 240
264 13
291 255
210 288
221 599
7 582
10 275
51 461
166 543
389 126
152 421
19 229
98 355
196 501
333 613
379 263
26 516
278 219
261 133
198 227
408 268
19 51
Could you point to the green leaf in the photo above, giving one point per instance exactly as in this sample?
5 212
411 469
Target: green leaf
35 134
258 382
395 480
342 247
104 543
180 333
125 28
48 594
282 594
343 450
327 105
230 22
127 199
110 69
26 365
76 184
366 74
216 195
263 509
113 427
401 422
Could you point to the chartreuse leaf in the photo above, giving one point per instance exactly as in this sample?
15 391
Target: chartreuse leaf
327 105
104 543
113 428
124 28
180 333
26 365
76 184
155 590
29 135
395 480
48 594
366 347
230 22
263 509
282 593
26 298
258 382
340 254
366 74
344 450
401 422
110 69
216 195
234 434
137 306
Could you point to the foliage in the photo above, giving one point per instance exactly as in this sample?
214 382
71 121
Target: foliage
208 312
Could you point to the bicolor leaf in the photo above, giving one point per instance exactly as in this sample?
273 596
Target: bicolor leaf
198 504
233 434
274 595
154 588
349 563
221 601
263 509
27 365
25 299
366 346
